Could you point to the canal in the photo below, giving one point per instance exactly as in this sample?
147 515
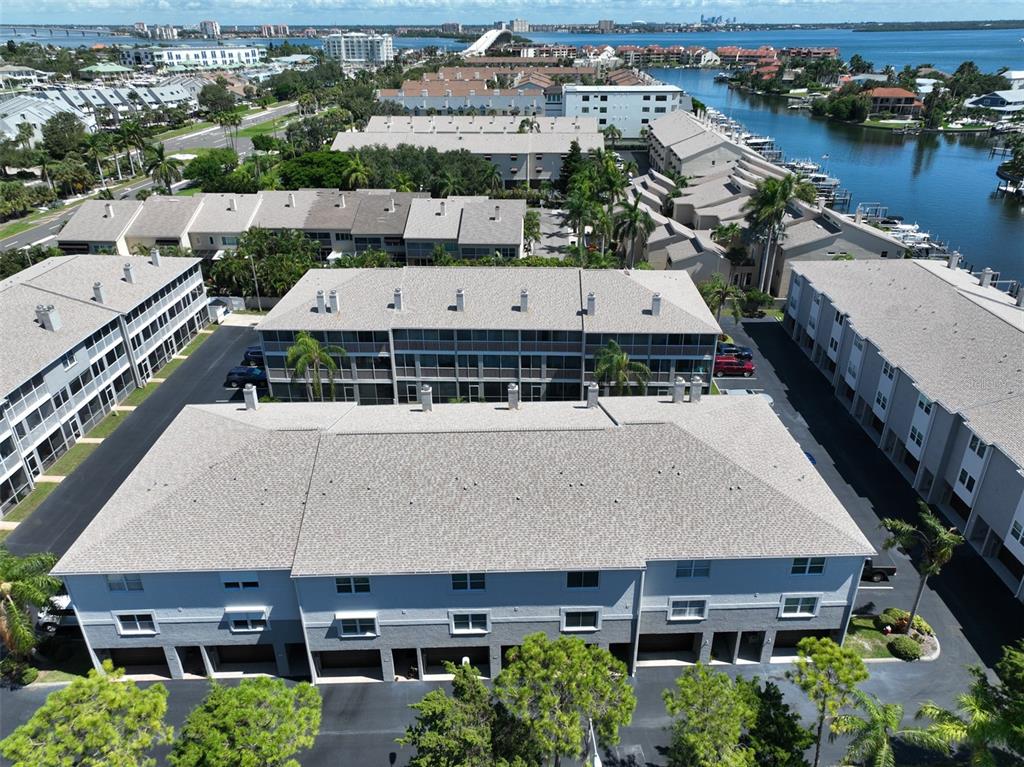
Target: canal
944 183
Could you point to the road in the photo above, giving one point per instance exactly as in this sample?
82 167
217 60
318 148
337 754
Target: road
47 228
60 519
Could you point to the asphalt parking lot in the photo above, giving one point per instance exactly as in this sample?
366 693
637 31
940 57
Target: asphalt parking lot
60 519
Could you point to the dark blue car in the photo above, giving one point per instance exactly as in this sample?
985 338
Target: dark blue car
739 352
253 356
240 376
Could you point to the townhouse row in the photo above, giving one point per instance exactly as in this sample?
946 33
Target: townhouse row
406 225
469 332
79 334
929 360
387 540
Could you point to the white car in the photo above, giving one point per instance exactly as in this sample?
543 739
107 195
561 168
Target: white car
56 615
748 393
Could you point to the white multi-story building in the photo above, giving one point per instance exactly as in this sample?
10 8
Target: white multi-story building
928 360
519 26
194 56
630 108
378 542
80 333
209 28
360 48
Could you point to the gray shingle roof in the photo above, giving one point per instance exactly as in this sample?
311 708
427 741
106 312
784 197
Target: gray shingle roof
100 221
216 214
426 221
577 490
481 225
624 305
963 345
383 214
165 217
284 210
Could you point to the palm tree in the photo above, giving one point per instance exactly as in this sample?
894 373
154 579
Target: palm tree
448 184
306 103
633 225
403 182
871 744
937 544
25 583
580 209
975 726
493 179
130 136
717 292
229 122
25 135
613 367
611 135
162 169
725 234
96 145
529 125
766 210
355 172
307 356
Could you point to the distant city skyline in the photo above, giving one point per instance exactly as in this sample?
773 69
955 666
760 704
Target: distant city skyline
396 12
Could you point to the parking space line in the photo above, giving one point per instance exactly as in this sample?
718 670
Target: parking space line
876 588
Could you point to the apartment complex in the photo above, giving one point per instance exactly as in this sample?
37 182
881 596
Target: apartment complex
80 333
631 109
469 332
927 358
193 56
533 155
25 109
360 48
406 225
523 517
120 101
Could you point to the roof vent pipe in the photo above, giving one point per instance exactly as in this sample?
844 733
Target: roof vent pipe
343 201
97 293
460 300
591 394
524 300
154 256
986 277
591 304
398 299
497 213
696 388
232 205
48 317
321 302
656 305
391 206
513 397
333 302
291 199
679 389
129 273
252 399
444 208
953 260
426 398
108 209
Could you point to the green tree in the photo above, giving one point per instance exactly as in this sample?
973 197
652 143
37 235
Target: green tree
1008 693
100 720
130 137
209 169
710 712
829 675
96 147
356 174
305 359
858 65
612 135
163 169
556 687
25 135
766 210
449 184
62 134
531 227
873 733
937 544
25 586
455 730
260 723
976 726
776 736
633 225
215 98
614 368
717 292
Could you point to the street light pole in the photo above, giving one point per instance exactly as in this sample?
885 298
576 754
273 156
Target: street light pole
596 761
256 282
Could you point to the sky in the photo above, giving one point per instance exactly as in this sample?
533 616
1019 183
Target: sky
367 12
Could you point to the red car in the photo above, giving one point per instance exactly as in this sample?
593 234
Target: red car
729 365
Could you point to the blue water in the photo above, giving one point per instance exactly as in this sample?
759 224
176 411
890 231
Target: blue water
945 184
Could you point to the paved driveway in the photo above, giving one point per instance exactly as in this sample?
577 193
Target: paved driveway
972 610
60 519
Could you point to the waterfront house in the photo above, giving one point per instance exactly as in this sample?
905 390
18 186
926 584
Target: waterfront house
894 101
1009 102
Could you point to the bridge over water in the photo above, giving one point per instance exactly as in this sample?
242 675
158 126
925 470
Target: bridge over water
487 40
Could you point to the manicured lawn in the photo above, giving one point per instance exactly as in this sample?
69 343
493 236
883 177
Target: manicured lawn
868 641
183 130
106 427
169 368
64 660
188 191
194 344
31 502
138 396
890 124
72 459
268 126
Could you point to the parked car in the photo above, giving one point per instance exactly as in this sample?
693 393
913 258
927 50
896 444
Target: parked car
878 569
245 374
726 365
739 352
56 615
253 356
748 393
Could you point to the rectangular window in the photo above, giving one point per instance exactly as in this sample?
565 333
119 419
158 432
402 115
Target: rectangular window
240 581
136 623
68 361
359 627
916 437
469 581
851 370
858 343
465 623
977 447
248 623
924 404
833 344
352 584
808 566
1017 531
839 317
687 609
888 370
966 480
582 579
881 400
581 620
693 568
124 583
799 606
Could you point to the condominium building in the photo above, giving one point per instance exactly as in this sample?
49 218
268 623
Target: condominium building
26 109
631 109
519 26
209 28
194 56
471 331
119 101
80 333
928 359
360 48
380 542
681 143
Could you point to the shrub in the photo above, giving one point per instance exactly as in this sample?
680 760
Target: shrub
897 618
904 647
29 674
